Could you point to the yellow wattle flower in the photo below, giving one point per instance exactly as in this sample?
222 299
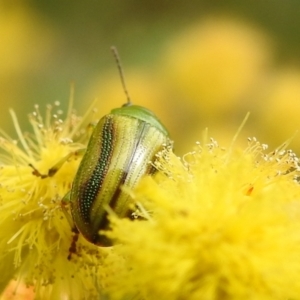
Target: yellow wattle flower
35 234
224 224
220 223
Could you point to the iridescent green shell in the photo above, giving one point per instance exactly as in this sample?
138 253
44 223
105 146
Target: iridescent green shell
118 154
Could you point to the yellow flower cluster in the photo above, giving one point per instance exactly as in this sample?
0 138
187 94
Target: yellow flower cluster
220 223
35 234
224 225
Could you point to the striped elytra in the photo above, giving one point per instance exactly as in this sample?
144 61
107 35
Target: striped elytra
119 153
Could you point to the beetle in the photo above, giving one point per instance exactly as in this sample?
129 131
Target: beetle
121 150
119 153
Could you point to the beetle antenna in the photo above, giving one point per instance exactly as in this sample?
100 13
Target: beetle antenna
118 61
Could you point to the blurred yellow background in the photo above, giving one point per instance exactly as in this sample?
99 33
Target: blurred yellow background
194 63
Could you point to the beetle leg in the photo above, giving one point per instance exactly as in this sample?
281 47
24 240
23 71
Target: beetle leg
65 201
53 170
72 249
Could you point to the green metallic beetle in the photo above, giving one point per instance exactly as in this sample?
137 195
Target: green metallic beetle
118 154
120 151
